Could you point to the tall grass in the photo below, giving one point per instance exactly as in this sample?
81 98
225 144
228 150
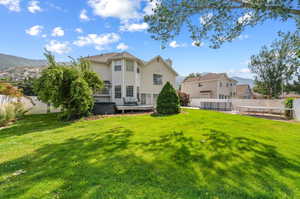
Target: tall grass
10 112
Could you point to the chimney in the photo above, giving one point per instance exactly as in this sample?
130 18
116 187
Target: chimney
169 61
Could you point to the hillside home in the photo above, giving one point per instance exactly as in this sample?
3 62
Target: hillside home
130 79
211 85
244 91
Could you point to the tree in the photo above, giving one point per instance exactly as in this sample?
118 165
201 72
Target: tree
68 87
276 66
27 86
220 20
295 86
184 98
168 100
193 75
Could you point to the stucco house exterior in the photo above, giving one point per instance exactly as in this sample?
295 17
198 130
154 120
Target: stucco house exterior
244 91
210 85
128 78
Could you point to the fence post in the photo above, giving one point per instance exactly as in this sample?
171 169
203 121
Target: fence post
297 109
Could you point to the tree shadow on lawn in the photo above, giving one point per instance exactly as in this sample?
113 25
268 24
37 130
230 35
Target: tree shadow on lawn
33 123
108 165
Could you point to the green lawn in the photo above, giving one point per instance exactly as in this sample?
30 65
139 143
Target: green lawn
196 154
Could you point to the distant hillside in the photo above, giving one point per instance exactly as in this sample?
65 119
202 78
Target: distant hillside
244 81
9 61
179 80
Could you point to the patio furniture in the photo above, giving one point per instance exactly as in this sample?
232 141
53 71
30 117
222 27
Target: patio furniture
130 101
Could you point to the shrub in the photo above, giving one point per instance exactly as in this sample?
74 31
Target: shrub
10 112
289 103
70 88
184 98
3 121
19 109
168 100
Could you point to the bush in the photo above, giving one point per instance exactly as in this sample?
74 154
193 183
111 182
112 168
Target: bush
289 103
19 109
3 120
70 88
168 100
10 112
184 98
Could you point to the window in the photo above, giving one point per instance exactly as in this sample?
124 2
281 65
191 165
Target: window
227 84
138 69
220 84
129 91
118 65
129 66
157 79
118 91
106 88
138 93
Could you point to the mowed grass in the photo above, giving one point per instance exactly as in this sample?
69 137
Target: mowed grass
196 154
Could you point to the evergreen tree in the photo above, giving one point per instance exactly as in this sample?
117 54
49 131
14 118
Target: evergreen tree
168 100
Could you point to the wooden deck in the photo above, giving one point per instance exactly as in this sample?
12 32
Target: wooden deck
135 108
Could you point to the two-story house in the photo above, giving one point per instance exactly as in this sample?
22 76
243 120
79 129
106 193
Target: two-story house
211 85
244 91
127 77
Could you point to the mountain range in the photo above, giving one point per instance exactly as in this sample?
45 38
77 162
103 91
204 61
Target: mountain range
9 61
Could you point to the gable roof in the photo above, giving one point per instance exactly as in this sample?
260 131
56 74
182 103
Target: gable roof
108 57
209 76
164 62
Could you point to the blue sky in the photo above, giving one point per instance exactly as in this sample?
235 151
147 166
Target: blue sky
89 27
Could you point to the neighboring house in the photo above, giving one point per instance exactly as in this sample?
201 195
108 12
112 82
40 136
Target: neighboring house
244 91
211 85
128 78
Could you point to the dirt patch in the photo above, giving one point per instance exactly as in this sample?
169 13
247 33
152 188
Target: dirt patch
98 117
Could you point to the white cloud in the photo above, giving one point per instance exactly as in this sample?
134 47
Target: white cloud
34 30
246 62
83 15
12 5
135 27
244 72
33 7
58 47
205 19
245 18
56 7
78 30
174 44
99 41
122 46
243 37
58 32
122 9
44 35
